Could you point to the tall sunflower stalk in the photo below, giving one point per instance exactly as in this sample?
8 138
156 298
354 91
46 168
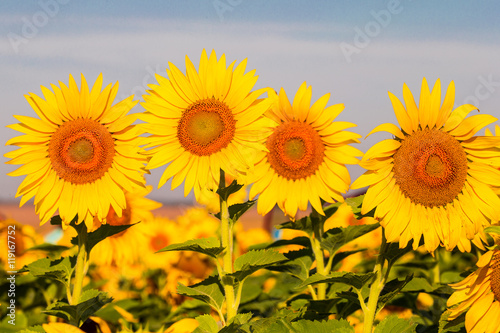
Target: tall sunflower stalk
227 237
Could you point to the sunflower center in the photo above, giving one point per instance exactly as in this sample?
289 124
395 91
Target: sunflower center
81 151
158 242
495 276
206 127
295 150
430 167
113 219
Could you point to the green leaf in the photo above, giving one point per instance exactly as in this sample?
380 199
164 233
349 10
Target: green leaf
47 247
300 240
392 252
31 329
305 224
391 289
90 301
209 246
393 324
456 325
225 192
492 230
356 203
207 324
328 326
236 210
357 280
254 260
337 237
241 318
101 233
418 284
209 291
59 269
298 263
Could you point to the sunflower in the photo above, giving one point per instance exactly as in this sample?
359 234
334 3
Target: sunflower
25 237
203 122
434 179
306 157
80 155
126 247
497 149
161 232
479 296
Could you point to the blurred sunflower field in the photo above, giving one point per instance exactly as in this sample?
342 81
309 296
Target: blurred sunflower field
274 243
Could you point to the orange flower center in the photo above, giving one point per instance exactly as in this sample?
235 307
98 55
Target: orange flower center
81 151
495 275
430 167
113 219
295 150
206 127
159 241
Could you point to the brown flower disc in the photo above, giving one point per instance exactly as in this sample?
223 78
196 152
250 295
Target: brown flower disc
81 151
430 167
495 275
206 127
295 150
113 219
159 241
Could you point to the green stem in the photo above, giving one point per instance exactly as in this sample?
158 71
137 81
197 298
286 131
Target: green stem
80 270
377 285
319 254
81 260
227 260
436 271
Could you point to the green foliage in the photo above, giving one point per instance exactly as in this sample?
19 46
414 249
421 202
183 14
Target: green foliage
89 302
58 270
225 192
298 264
207 324
101 233
252 261
236 210
209 291
453 326
352 279
335 238
393 324
209 246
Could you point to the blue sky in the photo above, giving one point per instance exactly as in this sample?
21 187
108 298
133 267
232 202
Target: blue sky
355 50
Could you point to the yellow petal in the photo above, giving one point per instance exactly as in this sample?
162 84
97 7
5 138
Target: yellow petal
445 110
411 107
457 116
388 127
401 115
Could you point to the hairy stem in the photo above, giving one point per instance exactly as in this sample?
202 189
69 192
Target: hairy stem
378 283
227 260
